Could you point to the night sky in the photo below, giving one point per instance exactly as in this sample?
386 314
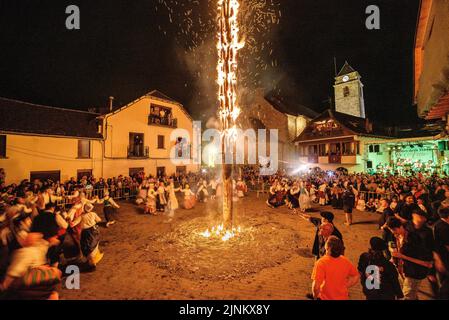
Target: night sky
121 51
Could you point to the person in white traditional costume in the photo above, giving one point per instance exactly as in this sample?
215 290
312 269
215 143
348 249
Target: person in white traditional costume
172 200
304 198
90 234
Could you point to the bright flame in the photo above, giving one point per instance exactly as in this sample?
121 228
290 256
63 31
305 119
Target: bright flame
220 232
206 234
228 46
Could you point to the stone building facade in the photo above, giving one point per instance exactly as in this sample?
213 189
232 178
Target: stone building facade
265 111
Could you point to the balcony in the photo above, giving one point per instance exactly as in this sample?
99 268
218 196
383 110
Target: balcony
138 152
335 159
312 158
155 120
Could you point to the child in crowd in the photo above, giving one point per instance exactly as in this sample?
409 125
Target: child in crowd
370 206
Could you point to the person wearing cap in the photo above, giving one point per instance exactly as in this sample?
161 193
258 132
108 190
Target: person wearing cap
384 272
324 229
90 234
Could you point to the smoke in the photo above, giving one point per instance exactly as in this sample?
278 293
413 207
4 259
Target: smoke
196 39
201 64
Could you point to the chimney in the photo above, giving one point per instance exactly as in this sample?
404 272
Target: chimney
111 103
368 126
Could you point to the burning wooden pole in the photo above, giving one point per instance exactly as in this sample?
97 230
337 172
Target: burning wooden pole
228 46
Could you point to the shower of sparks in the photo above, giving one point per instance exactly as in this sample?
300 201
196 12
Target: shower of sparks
195 26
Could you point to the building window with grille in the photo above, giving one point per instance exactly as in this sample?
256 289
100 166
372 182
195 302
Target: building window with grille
84 149
374 148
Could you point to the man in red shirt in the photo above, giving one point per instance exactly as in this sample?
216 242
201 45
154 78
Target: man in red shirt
333 274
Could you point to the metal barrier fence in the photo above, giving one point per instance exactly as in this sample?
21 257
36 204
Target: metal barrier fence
124 193
131 192
366 195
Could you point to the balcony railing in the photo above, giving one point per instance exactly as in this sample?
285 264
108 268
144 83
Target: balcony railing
138 152
162 121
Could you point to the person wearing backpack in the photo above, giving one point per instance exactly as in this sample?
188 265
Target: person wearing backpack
379 277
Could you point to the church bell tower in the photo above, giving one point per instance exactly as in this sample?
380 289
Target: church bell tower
349 92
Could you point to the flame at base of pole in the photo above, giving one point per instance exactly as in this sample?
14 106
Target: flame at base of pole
221 232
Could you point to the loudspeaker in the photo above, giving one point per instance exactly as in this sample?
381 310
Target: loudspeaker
442 145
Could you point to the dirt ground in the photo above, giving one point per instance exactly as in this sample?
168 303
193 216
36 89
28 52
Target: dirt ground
148 258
